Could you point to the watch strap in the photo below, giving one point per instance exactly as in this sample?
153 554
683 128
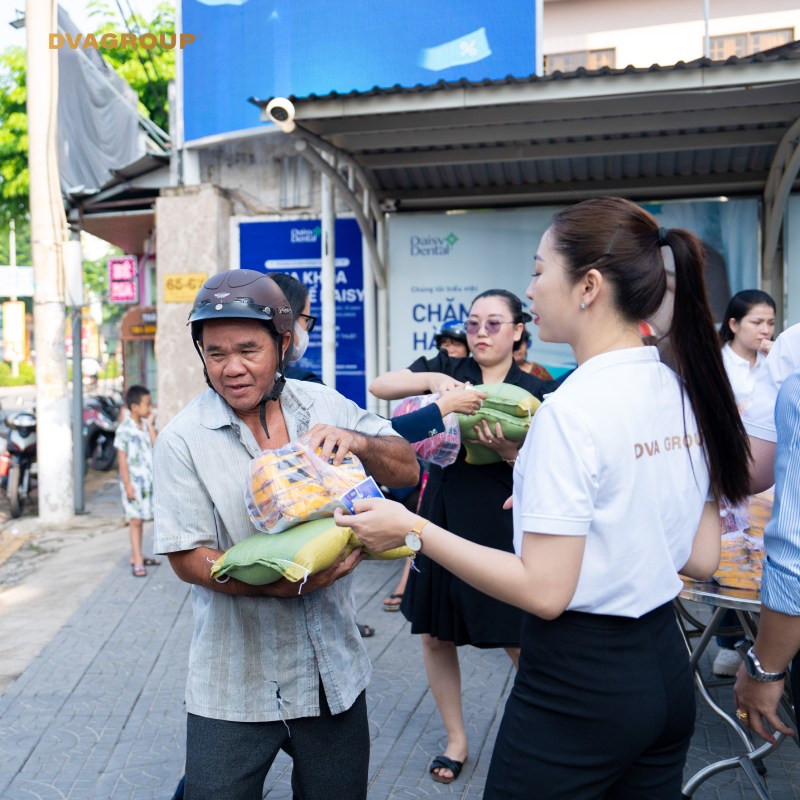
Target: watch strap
758 672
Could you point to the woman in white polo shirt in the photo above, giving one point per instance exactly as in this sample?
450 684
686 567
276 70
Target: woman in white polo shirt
615 493
746 335
748 326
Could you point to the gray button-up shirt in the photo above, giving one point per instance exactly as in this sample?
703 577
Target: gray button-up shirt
254 659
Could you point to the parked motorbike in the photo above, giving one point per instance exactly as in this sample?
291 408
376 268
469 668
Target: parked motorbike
100 421
18 462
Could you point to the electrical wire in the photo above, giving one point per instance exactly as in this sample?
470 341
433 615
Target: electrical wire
134 16
150 80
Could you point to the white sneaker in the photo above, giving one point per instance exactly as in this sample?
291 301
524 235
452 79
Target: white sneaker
726 663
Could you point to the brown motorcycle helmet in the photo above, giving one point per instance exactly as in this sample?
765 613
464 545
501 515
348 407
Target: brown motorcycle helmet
244 294
241 294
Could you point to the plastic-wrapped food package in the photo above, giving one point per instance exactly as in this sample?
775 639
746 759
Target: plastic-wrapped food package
441 448
292 484
742 557
307 548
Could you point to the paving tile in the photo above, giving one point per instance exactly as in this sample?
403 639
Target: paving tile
99 714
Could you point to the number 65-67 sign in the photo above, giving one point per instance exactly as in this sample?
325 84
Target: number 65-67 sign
182 287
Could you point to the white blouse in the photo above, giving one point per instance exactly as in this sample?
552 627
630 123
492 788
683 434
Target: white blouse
741 375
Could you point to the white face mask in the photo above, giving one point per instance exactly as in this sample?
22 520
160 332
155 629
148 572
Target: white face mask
300 344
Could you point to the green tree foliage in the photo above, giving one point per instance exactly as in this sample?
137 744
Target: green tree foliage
147 71
13 142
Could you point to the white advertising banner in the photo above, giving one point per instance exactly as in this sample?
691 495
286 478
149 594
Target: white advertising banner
440 262
16 281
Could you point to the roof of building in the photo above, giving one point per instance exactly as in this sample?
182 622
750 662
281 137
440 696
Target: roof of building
700 128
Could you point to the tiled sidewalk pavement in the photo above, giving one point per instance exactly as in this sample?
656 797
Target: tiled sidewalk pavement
98 714
91 709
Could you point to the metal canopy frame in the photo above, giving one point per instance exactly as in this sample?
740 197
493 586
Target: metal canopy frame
700 129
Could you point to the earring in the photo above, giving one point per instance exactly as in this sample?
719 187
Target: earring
583 306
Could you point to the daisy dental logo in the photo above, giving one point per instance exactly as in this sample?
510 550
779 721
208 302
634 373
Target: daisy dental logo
432 245
120 41
305 235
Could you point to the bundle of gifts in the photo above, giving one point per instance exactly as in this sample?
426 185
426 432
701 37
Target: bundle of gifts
293 484
291 496
441 448
742 558
511 406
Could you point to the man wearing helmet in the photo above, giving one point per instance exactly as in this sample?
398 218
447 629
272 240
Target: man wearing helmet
270 667
452 338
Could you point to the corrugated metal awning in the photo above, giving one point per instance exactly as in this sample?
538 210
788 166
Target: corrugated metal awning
698 129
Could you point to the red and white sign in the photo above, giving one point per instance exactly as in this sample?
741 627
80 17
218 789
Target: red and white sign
123 280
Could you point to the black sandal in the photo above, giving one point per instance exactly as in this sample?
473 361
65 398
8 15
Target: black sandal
388 605
365 630
443 762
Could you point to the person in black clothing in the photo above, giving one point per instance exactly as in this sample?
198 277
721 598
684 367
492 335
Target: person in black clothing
469 500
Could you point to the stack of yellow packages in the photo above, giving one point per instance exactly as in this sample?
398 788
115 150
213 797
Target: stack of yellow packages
291 498
742 559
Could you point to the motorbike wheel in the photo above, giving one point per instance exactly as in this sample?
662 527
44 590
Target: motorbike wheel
15 498
104 455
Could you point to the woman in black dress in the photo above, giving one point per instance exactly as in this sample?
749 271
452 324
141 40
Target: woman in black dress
469 500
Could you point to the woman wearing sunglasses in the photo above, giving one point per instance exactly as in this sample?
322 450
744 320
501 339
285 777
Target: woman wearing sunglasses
615 493
467 499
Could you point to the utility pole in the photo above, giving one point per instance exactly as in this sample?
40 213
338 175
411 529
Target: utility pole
48 232
328 281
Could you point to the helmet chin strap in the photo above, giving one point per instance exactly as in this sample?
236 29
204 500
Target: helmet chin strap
275 392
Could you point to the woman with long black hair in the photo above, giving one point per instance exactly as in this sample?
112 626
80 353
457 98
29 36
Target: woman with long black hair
616 492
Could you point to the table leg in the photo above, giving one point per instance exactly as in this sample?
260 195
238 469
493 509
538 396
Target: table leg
744 762
750 762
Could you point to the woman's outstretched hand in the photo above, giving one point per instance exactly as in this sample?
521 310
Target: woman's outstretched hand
380 524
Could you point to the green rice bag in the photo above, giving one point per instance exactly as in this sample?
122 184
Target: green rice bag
293 554
513 428
510 399
511 406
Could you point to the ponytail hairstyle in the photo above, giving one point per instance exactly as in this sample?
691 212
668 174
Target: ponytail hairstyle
624 243
738 307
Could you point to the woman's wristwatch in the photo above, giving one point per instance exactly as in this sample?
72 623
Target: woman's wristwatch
753 665
414 536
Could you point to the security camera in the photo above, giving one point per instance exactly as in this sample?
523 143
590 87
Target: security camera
281 112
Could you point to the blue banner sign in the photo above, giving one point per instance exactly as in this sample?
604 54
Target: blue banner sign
294 247
283 48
